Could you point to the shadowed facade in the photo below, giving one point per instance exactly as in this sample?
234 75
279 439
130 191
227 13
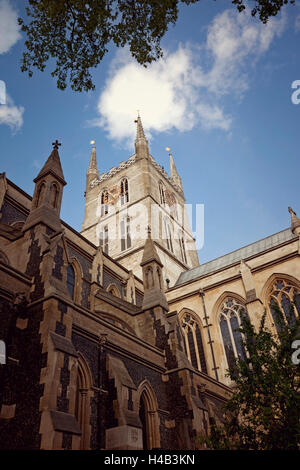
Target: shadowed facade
123 342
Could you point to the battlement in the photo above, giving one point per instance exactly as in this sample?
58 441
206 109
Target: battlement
125 164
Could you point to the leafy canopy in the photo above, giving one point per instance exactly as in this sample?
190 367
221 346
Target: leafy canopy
76 34
264 410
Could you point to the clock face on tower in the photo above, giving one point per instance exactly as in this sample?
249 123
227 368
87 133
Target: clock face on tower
170 198
113 194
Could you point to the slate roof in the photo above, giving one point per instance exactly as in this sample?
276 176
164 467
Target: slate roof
236 256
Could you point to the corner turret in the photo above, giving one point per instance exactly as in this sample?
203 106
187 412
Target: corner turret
47 197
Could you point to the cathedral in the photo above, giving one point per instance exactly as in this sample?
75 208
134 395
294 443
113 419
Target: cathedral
116 337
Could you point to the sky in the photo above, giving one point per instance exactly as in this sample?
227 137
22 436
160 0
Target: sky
221 98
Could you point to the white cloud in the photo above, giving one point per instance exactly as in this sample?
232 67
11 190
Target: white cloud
11 115
9 28
167 93
185 88
235 41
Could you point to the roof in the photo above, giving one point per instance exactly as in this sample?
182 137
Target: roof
52 165
236 256
150 253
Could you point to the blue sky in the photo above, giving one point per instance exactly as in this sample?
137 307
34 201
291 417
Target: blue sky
220 98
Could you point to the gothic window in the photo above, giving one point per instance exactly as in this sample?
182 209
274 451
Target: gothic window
162 193
193 342
71 280
168 234
125 233
159 278
285 297
104 239
112 289
148 413
83 397
149 277
54 195
182 249
124 191
40 194
143 418
232 312
104 202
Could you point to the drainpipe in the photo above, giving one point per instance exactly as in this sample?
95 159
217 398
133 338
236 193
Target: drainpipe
210 342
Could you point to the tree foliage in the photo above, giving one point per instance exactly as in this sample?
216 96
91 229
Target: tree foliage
76 34
264 410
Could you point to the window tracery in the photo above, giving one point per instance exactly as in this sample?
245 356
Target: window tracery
232 312
71 280
193 342
285 296
124 191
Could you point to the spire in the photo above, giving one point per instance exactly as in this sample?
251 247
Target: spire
295 221
173 170
47 197
139 129
150 253
141 143
92 169
92 172
154 295
52 165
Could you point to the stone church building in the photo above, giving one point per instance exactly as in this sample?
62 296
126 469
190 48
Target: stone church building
116 337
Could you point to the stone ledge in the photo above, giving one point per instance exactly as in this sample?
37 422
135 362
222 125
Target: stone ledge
64 422
63 344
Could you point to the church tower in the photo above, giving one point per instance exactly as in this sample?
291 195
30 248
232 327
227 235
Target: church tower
138 193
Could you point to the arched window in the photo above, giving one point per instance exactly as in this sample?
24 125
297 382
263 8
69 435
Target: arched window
143 418
104 202
232 312
168 234
84 393
125 233
149 277
159 278
54 195
112 289
40 194
103 240
71 280
162 193
124 191
182 248
285 296
193 342
148 413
